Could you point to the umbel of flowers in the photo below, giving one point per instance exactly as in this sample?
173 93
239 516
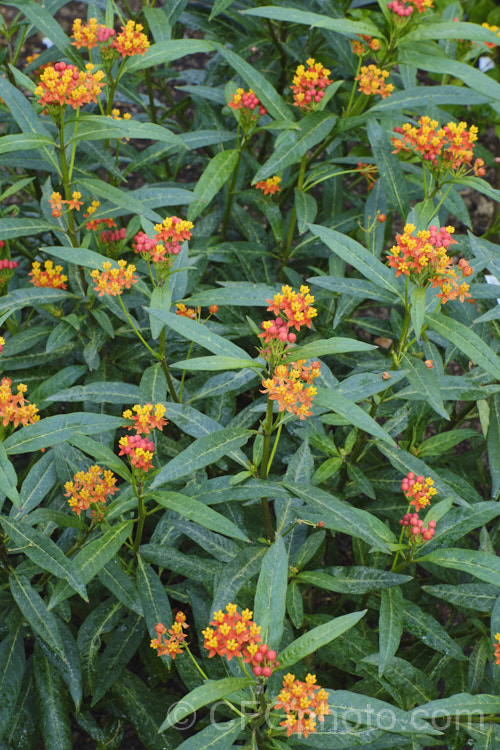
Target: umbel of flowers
138 448
423 258
372 80
14 408
165 243
303 702
91 489
309 84
172 644
63 84
419 491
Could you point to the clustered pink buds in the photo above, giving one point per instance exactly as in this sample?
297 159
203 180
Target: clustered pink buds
167 240
416 527
276 329
309 84
247 100
264 661
406 8
113 235
139 450
7 263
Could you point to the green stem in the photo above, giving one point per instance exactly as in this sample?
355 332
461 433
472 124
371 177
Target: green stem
137 333
141 519
293 217
184 372
165 369
205 677
66 181
276 441
267 429
232 188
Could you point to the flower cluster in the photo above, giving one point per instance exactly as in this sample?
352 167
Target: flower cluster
50 276
2 343
56 202
495 30
187 312
64 84
418 490
131 41
146 418
497 648
167 240
424 259
13 406
114 280
247 101
364 44
91 489
442 148
269 186
235 634
309 84
295 306
172 645
139 450
370 173
303 702
291 387
90 35
372 80
94 223
405 8
112 235
416 529
6 268
278 330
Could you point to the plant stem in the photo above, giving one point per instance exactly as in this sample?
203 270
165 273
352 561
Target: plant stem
137 333
267 429
232 188
66 182
293 217
165 369
141 518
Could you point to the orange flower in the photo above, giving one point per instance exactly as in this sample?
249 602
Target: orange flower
418 490
213 309
64 84
114 280
497 648
131 41
91 488
440 148
406 8
13 406
495 31
372 81
145 420
269 186
49 277
185 312
424 259
173 645
2 343
75 202
364 44
296 306
303 702
370 173
288 387
309 84
139 450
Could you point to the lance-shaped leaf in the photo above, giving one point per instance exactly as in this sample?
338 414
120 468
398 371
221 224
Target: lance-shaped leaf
355 415
481 565
198 512
317 637
213 178
220 736
12 662
389 168
166 51
351 580
209 692
322 347
432 633
119 650
270 595
35 611
390 626
425 381
343 517
44 552
467 341
202 452
52 703
320 21
54 430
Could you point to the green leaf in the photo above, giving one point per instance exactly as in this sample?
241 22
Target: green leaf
103 618
315 20
237 293
12 664
369 711
306 208
44 552
445 66
24 142
198 512
161 299
54 430
22 112
80 256
458 522
431 633
119 650
343 517
390 171
390 626
114 578
22 227
66 661
481 565
45 22
97 127
154 600
445 441
425 381
460 703
358 256
167 51
198 570
33 607
467 341
295 604
37 484
52 704
209 692
99 393
354 414
235 574
473 596
119 198
94 556
213 178
270 595
319 636
200 334
313 129
441 28
494 445
202 452
322 347
219 736
213 364
422 96
269 97
355 580
417 310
